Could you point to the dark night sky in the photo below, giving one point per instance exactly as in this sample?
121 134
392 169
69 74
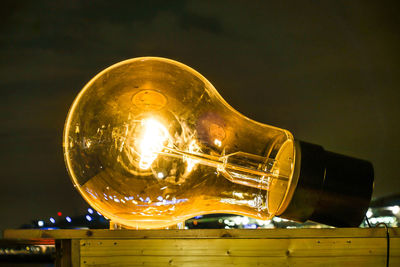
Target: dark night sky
328 72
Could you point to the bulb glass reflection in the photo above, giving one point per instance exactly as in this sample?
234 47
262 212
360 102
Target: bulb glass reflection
149 142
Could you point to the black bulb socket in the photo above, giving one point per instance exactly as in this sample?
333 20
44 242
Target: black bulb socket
330 188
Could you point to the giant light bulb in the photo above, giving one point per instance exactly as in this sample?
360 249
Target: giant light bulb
149 142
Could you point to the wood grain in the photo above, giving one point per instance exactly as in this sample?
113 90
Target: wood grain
231 247
203 233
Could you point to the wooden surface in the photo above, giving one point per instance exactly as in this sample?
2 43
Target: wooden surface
201 233
233 247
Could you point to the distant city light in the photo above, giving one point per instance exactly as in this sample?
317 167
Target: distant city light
383 219
88 218
250 226
68 219
52 220
40 223
369 213
90 210
395 209
59 214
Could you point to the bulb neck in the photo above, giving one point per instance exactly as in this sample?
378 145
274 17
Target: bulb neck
331 188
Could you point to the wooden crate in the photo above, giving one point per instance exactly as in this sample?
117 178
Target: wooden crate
231 247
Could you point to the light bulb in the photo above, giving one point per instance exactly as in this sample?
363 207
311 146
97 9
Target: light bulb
149 143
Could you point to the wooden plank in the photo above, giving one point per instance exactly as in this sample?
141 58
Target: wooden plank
75 253
197 233
63 253
240 247
232 247
234 252
208 261
268 247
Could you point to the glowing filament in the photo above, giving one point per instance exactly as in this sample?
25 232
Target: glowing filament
152 142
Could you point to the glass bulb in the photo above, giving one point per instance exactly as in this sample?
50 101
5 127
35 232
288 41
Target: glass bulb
149 143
